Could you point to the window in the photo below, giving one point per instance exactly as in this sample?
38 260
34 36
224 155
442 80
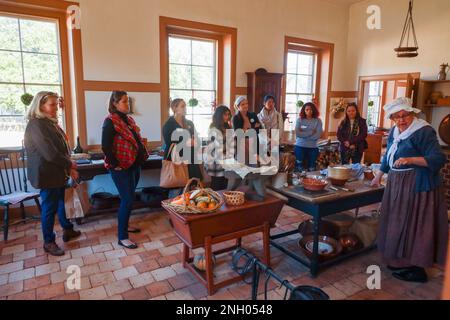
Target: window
30 61
193 75
374 103
300 83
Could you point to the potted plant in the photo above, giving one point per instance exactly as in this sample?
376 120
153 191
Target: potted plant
193 102
26 99
370 104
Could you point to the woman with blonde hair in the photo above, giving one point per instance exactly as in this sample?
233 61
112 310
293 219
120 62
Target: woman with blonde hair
49 166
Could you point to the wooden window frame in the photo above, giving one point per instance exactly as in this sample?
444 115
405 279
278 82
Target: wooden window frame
57 11
227 41
408 80
325 55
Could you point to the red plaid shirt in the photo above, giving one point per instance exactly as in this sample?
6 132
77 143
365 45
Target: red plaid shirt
125 146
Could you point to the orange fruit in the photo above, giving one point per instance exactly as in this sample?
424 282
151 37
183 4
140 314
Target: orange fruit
212 205
202 205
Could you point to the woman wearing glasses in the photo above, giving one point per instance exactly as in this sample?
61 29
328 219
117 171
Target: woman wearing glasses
49 166
413 230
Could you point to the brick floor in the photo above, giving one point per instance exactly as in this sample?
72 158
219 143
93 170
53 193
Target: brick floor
155 271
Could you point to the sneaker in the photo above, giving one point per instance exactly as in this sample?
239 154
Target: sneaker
53 249
70 234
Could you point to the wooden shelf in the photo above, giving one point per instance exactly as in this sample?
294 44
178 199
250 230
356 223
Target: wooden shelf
436 81
435 105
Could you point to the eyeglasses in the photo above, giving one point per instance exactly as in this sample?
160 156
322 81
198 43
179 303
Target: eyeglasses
396 118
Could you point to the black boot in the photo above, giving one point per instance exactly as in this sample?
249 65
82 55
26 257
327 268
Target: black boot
53 249
412 274
70 234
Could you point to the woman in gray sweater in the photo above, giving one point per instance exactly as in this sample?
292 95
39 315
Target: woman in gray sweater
308 131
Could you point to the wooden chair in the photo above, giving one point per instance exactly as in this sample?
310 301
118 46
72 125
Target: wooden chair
13 185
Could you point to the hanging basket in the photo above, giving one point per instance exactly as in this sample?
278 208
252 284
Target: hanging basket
189 201
405 50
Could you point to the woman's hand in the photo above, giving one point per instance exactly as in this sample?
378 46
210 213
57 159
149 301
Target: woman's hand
376 182
118 169
74 174
353 147
257 125
402 162
347 144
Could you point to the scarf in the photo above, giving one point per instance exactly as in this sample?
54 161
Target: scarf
415 126
270 120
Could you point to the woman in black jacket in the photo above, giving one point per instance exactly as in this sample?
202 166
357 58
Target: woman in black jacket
179 122
49 166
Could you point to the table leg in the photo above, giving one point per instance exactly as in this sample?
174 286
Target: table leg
239 242
315 255
185 255
266 243
209 265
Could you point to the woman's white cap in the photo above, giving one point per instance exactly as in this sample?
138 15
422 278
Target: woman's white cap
398 105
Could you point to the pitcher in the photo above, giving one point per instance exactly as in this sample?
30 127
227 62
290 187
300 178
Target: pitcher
443 73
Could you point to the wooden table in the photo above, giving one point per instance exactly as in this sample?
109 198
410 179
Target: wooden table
89 171
322 206
228 223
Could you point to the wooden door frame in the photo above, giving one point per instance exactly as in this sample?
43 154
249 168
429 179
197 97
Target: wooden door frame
412 77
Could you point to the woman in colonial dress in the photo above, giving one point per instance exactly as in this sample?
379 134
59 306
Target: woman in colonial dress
413 229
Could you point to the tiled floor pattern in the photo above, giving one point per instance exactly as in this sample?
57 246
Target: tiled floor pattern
154 271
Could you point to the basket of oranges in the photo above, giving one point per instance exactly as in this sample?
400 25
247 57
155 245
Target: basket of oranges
195 201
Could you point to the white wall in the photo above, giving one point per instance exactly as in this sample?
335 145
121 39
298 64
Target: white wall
147 114
121 38
372 52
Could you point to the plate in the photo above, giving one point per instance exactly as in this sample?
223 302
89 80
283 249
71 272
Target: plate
444 129
324 248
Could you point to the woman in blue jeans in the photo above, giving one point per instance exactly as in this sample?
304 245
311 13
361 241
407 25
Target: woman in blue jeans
49 166
125 152
308 131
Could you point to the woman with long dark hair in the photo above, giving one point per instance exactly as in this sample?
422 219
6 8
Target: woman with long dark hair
125 152
308 131
352 134
218 128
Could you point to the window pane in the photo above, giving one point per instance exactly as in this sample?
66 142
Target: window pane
186 95
180 76
289 124
304 84
305 98
205 99
202 123
305 64
203 78
39 36
179 50
36 89
10 103
374 88
9 33
290 83
292 62
41 68
203 53
291 103
10 67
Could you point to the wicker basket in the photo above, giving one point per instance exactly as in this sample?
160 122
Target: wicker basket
234 198
186 208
